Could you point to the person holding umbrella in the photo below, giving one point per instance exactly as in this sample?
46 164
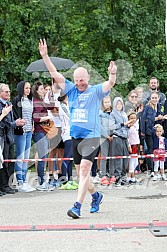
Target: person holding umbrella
84 104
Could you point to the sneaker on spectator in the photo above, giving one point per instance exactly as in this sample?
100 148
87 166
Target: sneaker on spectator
118 181
113 179
74 212
50 187
107 175
42 187
96 202
118 184
152 174
32 189
45 187
124 181
25 188
96 180
131 182
104 181
53 182
59 183
163 177
159 176
20 188
155 177
70 185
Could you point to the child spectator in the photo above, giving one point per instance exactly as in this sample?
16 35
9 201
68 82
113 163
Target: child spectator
106 138
119 123
160 147
134 146
165 121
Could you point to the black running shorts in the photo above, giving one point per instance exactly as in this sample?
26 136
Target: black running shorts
85 149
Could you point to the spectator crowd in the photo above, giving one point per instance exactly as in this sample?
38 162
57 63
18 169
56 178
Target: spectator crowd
131 127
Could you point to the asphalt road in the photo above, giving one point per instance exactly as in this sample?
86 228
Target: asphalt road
122 224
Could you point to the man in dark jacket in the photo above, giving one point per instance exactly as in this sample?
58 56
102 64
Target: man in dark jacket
6 132
153 86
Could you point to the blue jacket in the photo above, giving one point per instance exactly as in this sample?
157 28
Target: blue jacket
148 119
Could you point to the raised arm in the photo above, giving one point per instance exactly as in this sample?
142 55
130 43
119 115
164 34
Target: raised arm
107 85
59 78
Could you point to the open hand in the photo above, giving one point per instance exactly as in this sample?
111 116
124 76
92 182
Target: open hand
43 47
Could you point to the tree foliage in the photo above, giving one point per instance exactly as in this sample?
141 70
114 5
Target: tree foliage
93 31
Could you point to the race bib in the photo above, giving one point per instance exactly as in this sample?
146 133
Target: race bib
80 115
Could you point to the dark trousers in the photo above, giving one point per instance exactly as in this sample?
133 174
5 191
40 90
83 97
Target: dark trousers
119 166
7 172
94 165
67 164
149 143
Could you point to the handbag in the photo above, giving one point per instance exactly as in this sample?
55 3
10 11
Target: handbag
18 130
50 129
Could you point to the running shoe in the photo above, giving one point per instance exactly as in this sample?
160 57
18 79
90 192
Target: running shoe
96 202
74 212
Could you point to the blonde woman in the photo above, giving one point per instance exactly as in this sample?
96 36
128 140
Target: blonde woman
151 116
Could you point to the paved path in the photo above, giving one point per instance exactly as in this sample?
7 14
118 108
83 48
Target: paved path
122 223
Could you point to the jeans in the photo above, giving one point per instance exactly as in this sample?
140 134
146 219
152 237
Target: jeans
42 148
67 164
149 143
23 145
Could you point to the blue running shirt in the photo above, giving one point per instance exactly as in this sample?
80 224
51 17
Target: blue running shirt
84 110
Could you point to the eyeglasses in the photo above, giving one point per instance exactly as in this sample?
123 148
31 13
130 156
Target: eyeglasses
133 96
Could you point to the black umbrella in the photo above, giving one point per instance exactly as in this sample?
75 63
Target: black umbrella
60 64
